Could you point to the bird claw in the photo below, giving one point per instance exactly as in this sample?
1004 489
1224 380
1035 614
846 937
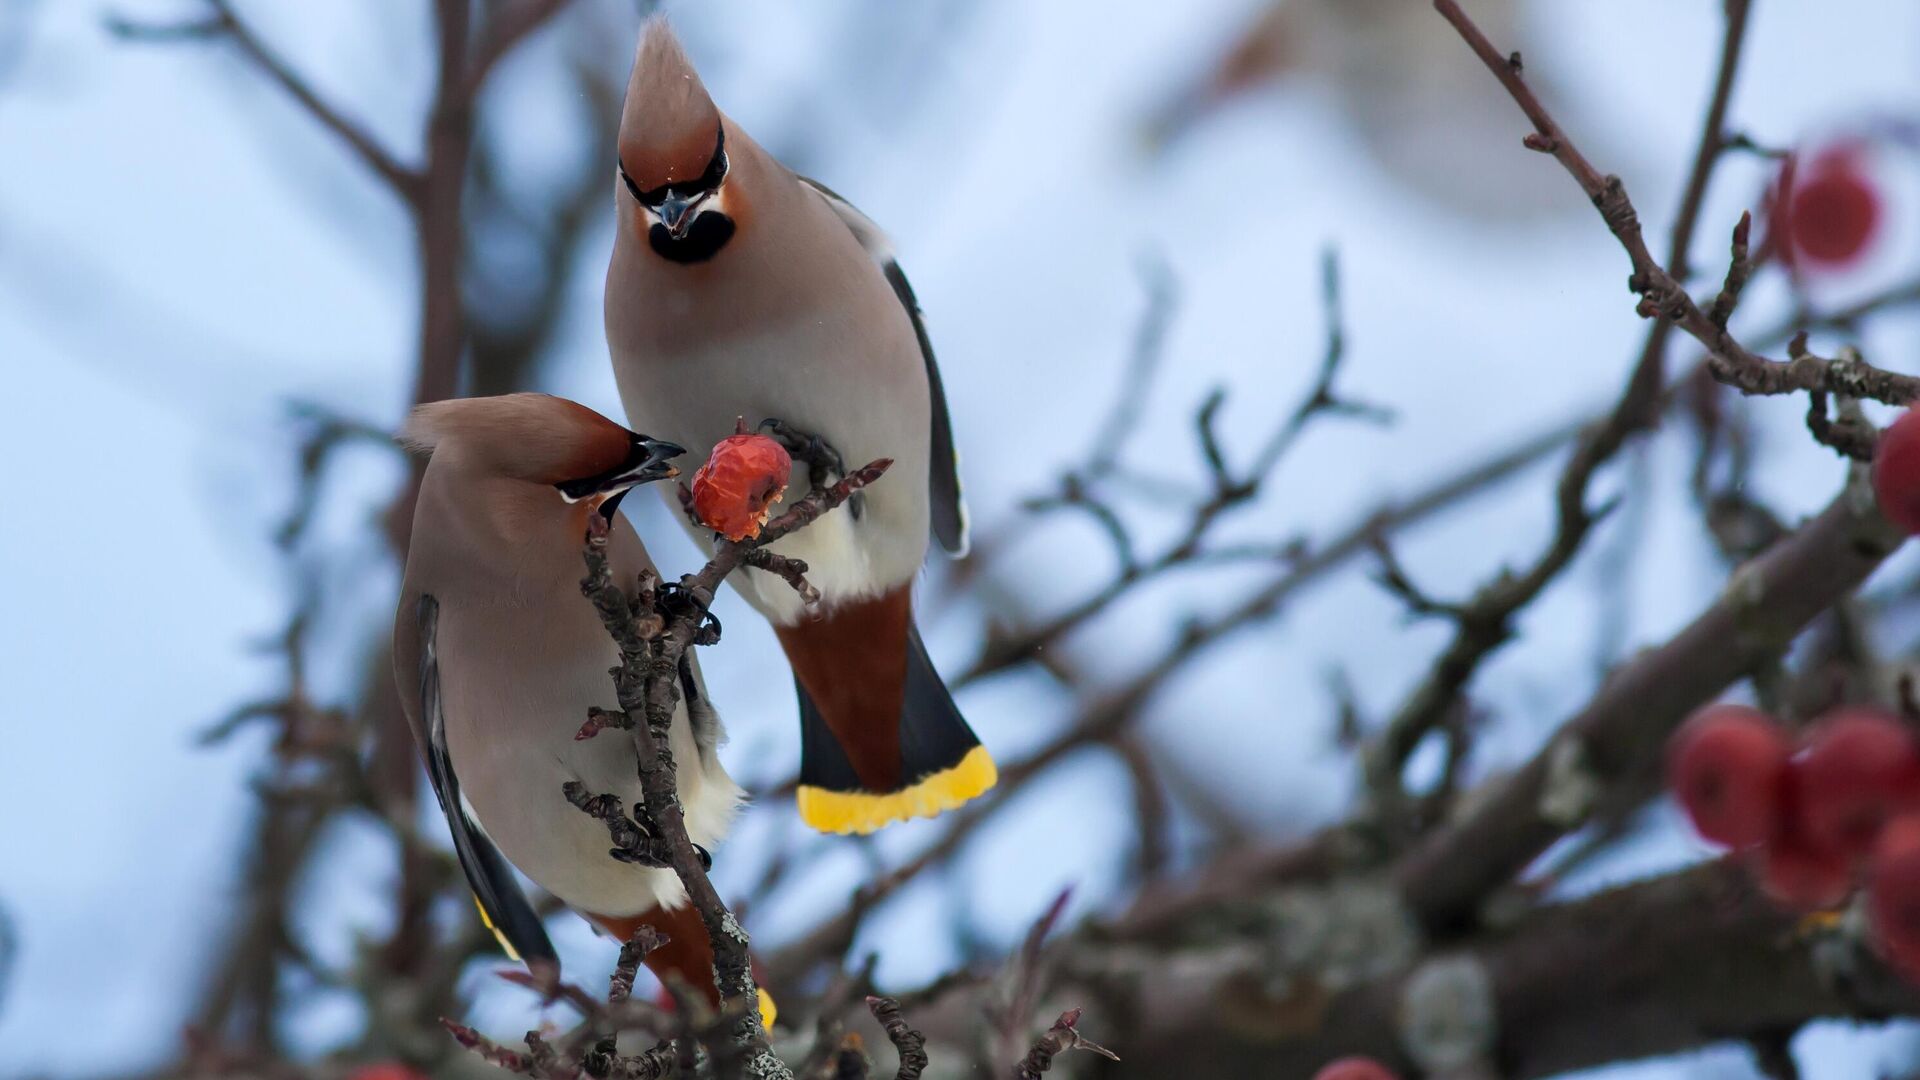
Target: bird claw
675 600
647 857
821 458
654 855
824 463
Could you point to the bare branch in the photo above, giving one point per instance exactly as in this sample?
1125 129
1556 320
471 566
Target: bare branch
226 22
1653 968
511 1060
1321 398
792 571
1059 1039
1484 624
516 20
910 1043
1661 295
1616 737
1149 346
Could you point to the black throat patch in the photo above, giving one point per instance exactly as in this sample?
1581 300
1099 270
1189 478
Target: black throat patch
705 237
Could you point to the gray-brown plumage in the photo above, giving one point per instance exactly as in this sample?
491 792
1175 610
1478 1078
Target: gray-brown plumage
738 289
498 658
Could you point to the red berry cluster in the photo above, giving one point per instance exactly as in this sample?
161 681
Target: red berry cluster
1840 808
1354 1068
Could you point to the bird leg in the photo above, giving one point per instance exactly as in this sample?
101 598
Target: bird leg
824 463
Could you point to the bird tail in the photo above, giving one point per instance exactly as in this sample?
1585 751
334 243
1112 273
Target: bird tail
880 737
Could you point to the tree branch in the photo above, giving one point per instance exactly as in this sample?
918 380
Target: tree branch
505 30
1615 740
1059 1039
910 1044
1661 295
226 22
1485 624
1656 967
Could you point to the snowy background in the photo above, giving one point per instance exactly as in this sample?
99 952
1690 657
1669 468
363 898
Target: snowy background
182 253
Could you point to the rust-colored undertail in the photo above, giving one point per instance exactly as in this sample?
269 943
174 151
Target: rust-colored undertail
881 740
688 952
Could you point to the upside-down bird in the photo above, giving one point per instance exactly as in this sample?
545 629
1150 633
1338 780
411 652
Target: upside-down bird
739 289
498 658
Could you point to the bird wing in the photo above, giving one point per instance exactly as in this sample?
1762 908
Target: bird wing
502 905
949 509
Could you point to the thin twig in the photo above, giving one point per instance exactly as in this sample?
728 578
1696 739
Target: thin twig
226 22
1102 718
515 21
1614 739
910 1043
1060 1038
1024 973
1661 295
1485 624
1149 346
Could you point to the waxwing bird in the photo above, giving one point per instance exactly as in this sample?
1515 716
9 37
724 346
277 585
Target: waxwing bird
498 657
738 289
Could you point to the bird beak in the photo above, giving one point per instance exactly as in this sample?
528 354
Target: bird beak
655 465
648 462
676 212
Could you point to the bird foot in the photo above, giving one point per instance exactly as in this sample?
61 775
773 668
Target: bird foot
636 839
656 855
675 600
825 466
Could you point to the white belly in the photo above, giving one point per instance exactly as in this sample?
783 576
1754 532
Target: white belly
798 378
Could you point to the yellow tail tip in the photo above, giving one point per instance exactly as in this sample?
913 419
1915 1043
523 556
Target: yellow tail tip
506 946
864 812
768 1011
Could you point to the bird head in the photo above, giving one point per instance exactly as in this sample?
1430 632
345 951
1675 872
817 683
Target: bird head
673 153
541 439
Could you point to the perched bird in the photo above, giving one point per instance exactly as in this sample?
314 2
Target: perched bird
738 289
498 657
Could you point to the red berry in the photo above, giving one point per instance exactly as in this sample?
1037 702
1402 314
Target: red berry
1833 207
1896 472
1859 766
1354 1068
1893 894
1801 877
1726 766
735 490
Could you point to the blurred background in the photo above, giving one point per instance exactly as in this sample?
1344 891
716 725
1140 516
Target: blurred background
210 316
